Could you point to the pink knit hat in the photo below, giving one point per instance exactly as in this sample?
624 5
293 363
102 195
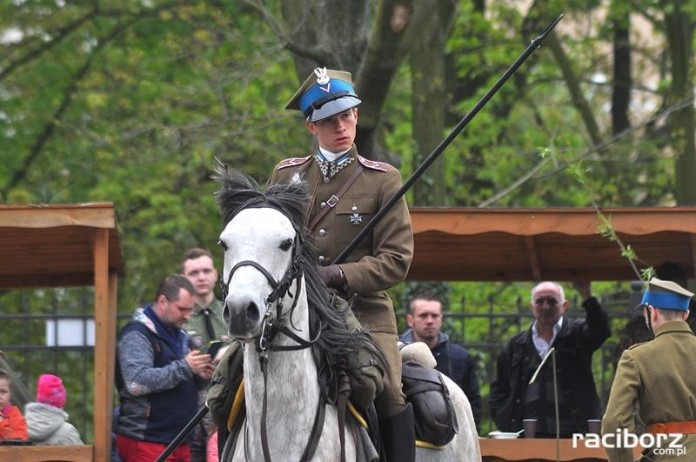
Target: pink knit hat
50 390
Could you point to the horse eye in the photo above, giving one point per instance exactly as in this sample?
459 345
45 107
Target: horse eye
286 244
223 245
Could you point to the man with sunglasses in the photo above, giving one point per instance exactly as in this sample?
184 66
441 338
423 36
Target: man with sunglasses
513 398
657 377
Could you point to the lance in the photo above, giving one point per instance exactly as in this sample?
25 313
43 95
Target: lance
183 434
534 44
439 149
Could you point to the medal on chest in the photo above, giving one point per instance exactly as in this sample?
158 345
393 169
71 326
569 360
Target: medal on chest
355 217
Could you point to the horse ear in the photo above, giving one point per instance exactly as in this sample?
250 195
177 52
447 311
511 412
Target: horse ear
236 189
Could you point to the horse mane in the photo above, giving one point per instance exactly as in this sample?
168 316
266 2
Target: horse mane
337 341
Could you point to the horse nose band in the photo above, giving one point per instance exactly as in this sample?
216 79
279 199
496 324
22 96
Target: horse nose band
271 280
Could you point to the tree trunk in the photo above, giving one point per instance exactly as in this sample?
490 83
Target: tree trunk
679 31
370 40
429 102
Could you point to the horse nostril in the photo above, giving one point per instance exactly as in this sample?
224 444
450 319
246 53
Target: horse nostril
253 313
226 314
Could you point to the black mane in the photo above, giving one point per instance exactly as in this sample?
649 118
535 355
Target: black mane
337 341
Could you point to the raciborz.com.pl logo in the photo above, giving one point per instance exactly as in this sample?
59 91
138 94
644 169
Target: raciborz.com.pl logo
660 444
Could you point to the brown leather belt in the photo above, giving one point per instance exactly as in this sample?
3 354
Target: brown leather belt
673 427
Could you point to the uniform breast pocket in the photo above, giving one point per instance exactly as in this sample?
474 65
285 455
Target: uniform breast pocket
352 214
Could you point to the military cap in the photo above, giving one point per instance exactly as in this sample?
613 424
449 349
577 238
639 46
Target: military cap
325 93
666 295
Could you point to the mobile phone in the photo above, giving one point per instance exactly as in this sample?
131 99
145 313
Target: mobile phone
214 348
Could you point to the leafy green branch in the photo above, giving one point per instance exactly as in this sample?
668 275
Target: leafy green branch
606 228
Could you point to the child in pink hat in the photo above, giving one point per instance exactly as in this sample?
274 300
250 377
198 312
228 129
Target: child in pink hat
50 390
46 420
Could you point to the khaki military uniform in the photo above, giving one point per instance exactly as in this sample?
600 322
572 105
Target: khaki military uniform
200 340
196 326
378 262
659 377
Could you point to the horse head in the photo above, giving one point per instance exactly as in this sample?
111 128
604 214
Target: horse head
262 242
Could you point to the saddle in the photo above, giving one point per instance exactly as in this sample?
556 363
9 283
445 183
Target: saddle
434 414
435 418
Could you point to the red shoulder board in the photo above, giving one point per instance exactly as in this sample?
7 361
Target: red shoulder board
292 162
374 165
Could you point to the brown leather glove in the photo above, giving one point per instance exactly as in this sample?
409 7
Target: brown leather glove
332 276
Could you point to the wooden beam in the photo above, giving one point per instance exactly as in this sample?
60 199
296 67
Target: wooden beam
46 453
533 257
541 450
104 323
95 215
571 221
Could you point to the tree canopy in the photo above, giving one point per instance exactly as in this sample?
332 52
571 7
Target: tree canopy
133 101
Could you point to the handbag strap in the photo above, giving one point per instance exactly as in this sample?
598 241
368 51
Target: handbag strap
333 200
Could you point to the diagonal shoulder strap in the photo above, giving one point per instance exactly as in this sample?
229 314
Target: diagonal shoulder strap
333 200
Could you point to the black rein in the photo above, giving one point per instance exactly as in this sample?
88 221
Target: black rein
274 325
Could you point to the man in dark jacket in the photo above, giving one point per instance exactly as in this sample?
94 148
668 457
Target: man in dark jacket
157 376
424 320
513 398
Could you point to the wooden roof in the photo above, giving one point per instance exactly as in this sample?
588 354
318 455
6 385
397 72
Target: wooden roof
563 244
53 245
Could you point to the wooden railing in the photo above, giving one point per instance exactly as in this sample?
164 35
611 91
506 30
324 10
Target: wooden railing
47 453
540 450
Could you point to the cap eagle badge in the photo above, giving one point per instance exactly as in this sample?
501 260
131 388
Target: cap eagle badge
323 78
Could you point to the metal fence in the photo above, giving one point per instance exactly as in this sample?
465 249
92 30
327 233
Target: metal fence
51 331
484 335
32 343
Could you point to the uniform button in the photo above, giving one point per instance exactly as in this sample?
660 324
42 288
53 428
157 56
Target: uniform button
322 205
322 232
322 259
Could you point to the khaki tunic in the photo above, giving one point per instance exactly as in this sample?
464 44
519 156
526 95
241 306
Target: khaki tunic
380 261
657 376
196 328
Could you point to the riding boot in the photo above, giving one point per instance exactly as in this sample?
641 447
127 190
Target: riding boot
398 436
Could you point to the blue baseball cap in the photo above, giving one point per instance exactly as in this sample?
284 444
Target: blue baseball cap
324 93
666 295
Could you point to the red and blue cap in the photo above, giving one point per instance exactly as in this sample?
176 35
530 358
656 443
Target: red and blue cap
666 295
324 93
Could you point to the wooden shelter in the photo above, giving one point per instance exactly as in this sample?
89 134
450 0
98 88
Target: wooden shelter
66 246
562 244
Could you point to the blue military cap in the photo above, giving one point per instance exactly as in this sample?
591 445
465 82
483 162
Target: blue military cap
325 93
666 295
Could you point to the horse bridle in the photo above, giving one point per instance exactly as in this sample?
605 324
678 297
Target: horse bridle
271 326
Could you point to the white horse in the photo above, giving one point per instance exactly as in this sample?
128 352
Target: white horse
276 303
